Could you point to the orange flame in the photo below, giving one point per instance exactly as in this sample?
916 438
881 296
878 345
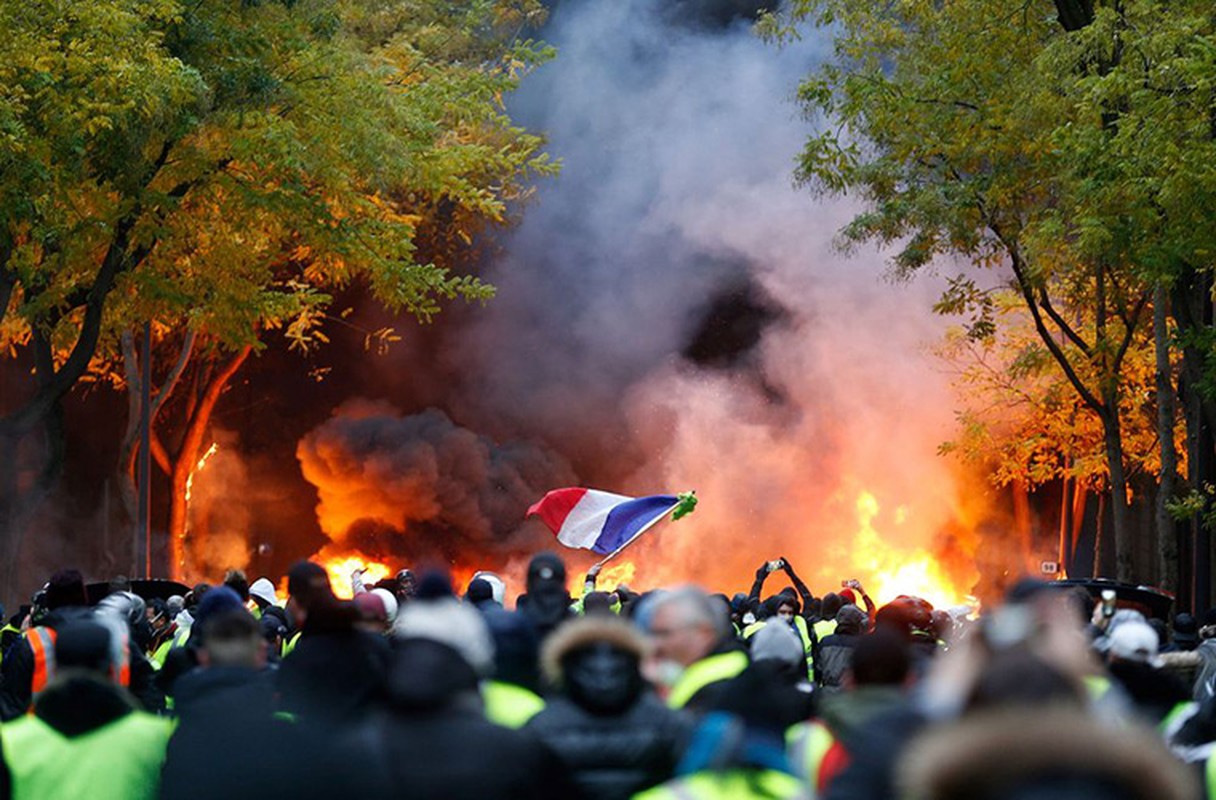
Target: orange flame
612 576
202 462
341 567
890 572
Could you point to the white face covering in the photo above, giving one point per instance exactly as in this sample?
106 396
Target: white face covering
749 618
667 672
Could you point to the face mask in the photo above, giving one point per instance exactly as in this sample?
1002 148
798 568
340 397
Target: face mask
668 673
749 618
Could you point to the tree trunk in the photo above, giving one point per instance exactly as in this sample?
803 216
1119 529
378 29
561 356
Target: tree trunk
129 449
186 459
1023 525
1112 436
1167 540
1191 308
1099 535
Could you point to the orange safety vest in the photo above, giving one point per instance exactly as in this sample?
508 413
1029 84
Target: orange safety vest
42 643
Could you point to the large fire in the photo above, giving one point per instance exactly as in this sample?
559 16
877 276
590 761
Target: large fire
340 570
887 572
885 569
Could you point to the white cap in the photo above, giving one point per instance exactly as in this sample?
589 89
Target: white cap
263 589
1135 641
390 604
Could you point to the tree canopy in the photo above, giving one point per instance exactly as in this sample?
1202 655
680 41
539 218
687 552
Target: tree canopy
222 166
1073 155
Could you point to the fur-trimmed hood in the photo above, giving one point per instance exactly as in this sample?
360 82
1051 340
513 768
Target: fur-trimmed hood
996 751
585 631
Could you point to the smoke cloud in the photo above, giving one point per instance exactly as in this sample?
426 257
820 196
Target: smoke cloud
672 315
419 488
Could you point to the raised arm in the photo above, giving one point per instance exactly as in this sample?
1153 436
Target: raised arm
871 612
758 585
800 587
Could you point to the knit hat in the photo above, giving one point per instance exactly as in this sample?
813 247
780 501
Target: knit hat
306 578
777 641
479 591
434 586
263 589
66 588
496 585
218 600
448 622
1186 629
850 620
87 644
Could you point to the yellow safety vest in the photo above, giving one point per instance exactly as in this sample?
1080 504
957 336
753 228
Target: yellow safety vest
731 784
509 705
825 628
807 743
290 644
697 676
118 761
803 633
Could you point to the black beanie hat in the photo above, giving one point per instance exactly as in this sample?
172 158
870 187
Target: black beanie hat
66 588
479 591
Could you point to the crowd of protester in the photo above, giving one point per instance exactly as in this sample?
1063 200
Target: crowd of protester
416 690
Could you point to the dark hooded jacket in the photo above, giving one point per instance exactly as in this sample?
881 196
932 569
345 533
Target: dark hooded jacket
548 601
835 654
1154 692
227 717
610 731
432 741
336 672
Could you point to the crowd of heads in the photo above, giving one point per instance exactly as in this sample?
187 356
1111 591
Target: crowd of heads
613 693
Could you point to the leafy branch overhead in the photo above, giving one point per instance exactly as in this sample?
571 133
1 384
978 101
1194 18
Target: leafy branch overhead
254 156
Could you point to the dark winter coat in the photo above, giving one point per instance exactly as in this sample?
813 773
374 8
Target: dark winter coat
848 713
17 669
1153 692
433 742
612 757
834 658
333 675
226 716
767 694
613 735
228 744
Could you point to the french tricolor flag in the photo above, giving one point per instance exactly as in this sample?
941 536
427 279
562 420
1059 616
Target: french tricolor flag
600 521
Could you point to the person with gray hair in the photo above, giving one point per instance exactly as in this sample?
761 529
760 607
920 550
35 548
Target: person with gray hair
694 651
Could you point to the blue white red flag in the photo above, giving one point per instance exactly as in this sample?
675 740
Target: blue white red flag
601 521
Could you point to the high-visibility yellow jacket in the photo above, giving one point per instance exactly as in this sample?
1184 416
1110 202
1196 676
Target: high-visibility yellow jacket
509 705
118 761
700 674
731 784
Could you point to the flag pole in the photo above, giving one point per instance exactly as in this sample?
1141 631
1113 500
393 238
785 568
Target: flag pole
684 504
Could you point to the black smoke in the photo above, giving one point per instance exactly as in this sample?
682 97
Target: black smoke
420 487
